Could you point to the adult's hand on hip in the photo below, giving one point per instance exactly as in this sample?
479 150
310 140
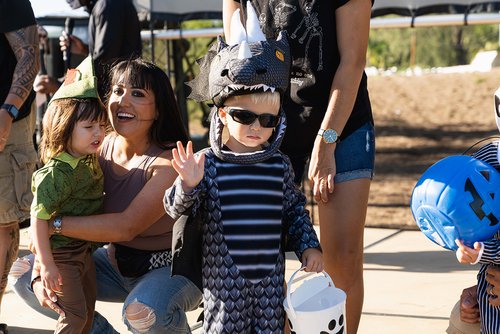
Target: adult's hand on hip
469 309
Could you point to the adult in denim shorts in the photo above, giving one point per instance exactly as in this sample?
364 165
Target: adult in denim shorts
19 65
328 91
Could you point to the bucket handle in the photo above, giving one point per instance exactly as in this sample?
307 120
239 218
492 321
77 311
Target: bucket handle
290 282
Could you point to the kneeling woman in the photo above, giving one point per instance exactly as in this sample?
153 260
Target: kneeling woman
136 161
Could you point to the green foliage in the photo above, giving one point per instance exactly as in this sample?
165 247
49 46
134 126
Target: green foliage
198 46
433 46
389 47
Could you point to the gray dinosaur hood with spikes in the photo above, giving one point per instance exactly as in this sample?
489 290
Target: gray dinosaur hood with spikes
228 73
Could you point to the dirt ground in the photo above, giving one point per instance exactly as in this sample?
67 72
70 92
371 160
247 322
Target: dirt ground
419 120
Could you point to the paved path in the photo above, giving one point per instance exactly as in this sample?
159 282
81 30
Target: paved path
410 287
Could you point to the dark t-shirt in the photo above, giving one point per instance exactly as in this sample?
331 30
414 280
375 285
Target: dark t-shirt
114 33
14 15
312 33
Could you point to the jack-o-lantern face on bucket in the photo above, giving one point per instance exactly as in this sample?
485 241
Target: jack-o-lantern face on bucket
477 204
456 198
334 326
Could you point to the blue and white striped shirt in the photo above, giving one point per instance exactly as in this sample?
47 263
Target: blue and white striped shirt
251 198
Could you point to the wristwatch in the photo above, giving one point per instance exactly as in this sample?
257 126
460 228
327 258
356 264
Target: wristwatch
57 225
11 109
329 136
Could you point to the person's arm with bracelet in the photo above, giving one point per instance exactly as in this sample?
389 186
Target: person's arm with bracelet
144 210
24 43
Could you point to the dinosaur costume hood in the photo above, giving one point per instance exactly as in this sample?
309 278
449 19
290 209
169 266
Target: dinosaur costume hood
246 64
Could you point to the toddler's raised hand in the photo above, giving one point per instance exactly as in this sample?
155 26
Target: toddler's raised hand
189 166
466 254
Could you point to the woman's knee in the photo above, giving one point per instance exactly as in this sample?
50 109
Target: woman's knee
20 281
347 259
140 317
345 273
21 268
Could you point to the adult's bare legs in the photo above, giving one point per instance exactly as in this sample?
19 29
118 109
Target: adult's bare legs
342 221
9 245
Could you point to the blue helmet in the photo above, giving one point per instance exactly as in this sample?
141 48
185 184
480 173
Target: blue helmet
457 198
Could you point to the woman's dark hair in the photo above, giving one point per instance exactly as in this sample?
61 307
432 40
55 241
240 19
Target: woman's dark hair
168 128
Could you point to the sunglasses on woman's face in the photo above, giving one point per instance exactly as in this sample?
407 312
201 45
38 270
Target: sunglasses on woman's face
247 117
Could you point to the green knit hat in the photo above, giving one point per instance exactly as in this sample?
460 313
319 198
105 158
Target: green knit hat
80 82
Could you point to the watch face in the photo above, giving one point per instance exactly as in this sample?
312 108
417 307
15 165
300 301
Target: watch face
330 136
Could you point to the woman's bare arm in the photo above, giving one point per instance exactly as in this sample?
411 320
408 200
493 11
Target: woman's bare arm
353 27
144 210
228 8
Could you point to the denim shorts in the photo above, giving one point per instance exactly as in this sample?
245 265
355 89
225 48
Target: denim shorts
354 156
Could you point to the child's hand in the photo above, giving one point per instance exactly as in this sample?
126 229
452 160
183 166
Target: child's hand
466 254
312 260
190 167
51 278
